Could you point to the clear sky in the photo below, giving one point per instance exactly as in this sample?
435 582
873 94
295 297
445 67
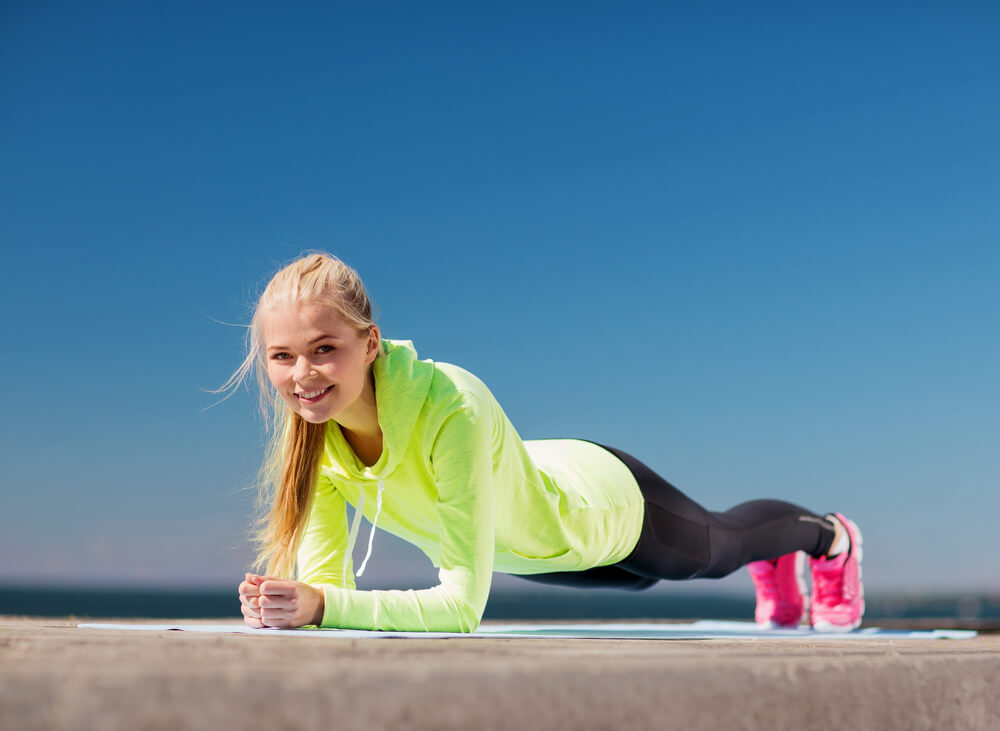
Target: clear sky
755 245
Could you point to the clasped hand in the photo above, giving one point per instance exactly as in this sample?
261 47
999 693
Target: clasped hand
267 601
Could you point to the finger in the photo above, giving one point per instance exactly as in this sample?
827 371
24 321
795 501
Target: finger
277 587
250 613
269 602
275 618
249 589
276 602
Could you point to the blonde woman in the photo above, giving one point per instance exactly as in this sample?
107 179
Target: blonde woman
423 450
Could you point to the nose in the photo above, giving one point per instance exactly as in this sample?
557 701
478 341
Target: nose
303 369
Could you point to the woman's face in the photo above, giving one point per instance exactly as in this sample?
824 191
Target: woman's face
318 363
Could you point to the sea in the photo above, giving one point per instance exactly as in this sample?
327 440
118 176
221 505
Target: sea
943 609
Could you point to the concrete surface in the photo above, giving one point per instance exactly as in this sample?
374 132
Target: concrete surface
55 676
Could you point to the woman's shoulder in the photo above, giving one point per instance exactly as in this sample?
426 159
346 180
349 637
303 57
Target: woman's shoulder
449 377
445 381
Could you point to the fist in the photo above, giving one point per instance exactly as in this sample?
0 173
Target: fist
267 601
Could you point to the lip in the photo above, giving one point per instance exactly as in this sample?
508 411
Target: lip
316 398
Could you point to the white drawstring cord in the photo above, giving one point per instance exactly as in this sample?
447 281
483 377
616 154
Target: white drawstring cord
352 537
371 534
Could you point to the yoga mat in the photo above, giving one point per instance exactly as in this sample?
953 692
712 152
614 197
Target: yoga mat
701 630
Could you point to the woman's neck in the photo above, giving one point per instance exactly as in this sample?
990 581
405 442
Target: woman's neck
360 425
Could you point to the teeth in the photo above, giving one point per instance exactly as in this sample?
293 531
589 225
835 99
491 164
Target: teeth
311 394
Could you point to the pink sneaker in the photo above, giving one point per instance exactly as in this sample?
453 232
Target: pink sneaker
838 596
781 591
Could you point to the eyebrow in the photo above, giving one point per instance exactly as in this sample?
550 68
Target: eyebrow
323 337
311 342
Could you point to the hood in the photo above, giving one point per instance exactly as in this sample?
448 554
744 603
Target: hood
401 386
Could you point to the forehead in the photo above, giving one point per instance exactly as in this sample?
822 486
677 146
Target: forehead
291 322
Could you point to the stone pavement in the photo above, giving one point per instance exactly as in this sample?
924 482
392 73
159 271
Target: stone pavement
55 676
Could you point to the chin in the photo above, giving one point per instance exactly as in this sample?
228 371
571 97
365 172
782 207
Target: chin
310 416
315 418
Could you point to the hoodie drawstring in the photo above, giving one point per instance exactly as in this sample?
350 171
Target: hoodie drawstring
356 527
353 535
371 534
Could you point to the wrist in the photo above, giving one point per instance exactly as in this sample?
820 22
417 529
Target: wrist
320 607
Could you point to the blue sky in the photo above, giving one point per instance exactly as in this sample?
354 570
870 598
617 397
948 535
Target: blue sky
757 247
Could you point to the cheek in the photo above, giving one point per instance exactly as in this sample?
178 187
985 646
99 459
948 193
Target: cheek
358 373
276 375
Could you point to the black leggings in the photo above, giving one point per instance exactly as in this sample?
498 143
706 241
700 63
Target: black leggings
682 540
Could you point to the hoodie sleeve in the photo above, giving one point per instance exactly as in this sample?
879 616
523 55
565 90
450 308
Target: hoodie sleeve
462 464
321 552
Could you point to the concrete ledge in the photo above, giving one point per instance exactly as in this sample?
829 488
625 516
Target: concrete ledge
54 676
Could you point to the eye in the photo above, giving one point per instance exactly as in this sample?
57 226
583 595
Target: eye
325 349
280 356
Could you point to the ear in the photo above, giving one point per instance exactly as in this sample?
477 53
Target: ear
374 342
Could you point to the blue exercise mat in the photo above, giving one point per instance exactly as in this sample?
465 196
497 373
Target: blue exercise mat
701 630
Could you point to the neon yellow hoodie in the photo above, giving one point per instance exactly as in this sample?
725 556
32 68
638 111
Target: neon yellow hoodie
456 480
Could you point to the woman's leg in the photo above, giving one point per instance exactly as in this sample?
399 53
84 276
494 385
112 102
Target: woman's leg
682 540
602 577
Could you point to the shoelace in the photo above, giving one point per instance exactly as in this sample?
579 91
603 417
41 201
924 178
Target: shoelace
828 583
766 583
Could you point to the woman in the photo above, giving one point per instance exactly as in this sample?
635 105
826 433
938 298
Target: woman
424 450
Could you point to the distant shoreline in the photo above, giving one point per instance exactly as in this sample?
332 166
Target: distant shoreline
953 608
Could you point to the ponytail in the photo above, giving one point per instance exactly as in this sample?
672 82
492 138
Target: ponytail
295 446
301 446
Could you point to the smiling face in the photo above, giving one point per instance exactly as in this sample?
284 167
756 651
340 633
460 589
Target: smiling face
318 363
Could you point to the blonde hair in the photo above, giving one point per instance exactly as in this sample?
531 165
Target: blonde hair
294 448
